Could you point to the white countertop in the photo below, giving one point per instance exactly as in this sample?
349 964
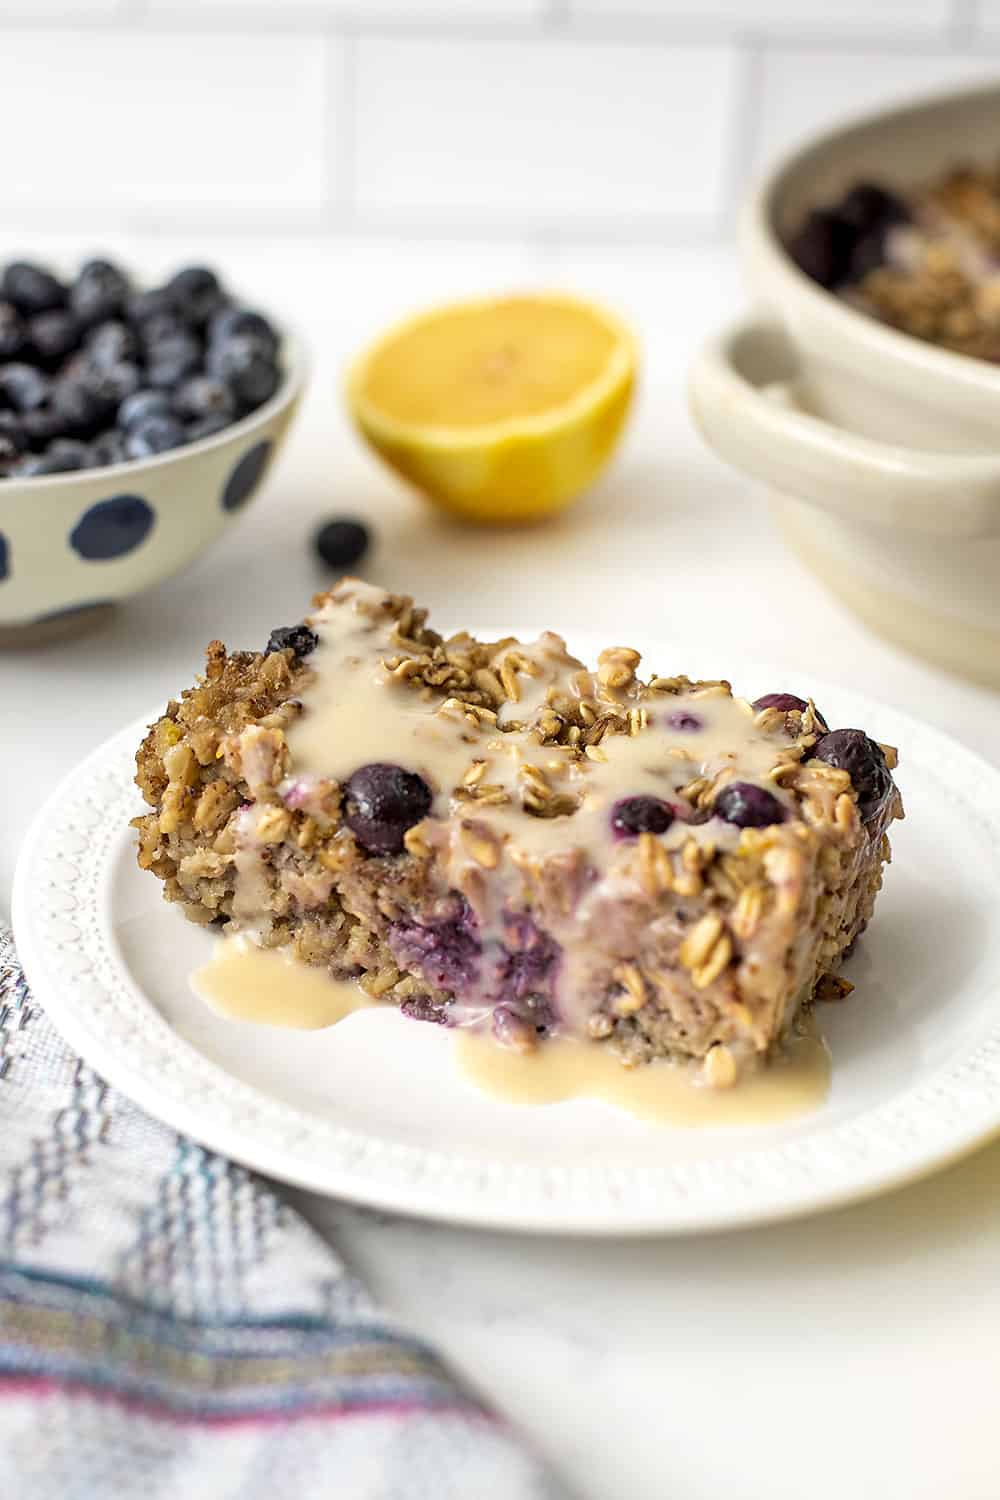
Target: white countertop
851 1355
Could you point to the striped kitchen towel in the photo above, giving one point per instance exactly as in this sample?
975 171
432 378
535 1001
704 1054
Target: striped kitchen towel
170 1328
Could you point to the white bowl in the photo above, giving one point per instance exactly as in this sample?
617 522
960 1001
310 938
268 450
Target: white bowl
73 544
883 451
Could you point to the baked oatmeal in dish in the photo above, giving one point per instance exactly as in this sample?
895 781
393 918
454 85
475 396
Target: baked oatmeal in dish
491 834
927 262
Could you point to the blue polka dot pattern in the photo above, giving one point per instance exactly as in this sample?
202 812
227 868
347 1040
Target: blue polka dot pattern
112 527
4 558
243 480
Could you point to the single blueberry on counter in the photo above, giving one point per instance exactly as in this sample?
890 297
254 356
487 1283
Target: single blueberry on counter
298 638
381 802
852 751
342 543
631 816
748 806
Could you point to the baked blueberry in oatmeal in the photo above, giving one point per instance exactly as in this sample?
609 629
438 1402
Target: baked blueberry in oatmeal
491 834
926 262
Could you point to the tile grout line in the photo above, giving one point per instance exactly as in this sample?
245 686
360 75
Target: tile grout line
556 22
965 20
341 133
744 126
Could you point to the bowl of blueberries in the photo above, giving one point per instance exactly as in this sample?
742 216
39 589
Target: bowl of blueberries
136 423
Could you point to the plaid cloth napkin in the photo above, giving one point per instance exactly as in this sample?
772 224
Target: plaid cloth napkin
170 1328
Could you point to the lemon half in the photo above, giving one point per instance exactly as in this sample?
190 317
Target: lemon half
501 409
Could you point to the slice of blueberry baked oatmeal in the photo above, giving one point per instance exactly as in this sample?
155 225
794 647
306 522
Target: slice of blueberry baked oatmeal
492 834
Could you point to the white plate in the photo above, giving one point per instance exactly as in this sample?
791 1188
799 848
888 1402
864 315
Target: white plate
371 1110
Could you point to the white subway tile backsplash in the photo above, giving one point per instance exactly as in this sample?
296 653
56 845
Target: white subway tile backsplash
886 18
546 134
988 14
226 124
59 10
406 12
803 90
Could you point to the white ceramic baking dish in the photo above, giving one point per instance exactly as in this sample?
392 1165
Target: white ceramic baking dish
883 452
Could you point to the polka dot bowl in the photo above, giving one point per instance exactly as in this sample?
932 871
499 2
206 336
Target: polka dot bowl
73 544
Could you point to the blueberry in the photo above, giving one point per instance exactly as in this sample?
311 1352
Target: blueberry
71 453
868 206
205 427
381 802
118 381
852 751
161 327
631 816
445 950
786 702
111 343
41 425
87 402
342 544
240 322
687 723
140 307
171 359
52 336
109 448
203 396
13 335
529 957
99 292
12 431
23 387
247 368
142 404
823 247
196 293
31 288
154 435
748 806
63 457
299 638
